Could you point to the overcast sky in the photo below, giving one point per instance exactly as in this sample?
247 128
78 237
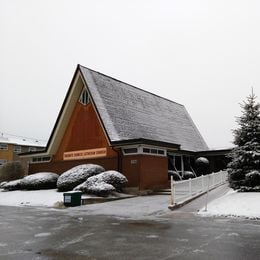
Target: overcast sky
202 54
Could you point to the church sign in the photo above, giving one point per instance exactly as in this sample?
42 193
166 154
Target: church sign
85 154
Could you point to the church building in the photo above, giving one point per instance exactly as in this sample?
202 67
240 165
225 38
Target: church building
121 127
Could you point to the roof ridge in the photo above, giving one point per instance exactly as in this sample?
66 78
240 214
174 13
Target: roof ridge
143 90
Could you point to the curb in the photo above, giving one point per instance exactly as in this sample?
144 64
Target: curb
94 200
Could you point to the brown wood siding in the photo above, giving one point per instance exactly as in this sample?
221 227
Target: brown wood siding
7 154
83 132
131 169
145 171
153 172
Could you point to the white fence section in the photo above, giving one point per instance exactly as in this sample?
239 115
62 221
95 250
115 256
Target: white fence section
186 189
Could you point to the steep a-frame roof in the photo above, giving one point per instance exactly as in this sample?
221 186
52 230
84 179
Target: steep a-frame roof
129 113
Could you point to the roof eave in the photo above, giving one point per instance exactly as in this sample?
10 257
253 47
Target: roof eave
30 154
144 141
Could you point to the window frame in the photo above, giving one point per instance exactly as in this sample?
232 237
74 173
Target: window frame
32 149
40 159
84 97
17 150
146 150
2 161
3 147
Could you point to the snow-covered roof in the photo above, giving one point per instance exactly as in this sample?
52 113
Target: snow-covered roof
129 113
19 140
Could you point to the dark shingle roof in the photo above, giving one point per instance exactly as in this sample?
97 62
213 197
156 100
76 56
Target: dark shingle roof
130 113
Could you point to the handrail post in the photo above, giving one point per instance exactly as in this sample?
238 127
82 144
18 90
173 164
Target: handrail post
190 191
172 199
207 194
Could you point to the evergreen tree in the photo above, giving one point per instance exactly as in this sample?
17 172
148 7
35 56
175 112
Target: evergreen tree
244 168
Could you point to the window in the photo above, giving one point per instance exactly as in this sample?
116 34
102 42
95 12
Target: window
3 146
144 150
130 150
2 161
188 162
153 151
40 159
177 162
17 148
161 152
32 149
84 97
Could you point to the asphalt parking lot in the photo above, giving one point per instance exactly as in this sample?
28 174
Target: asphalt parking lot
40 233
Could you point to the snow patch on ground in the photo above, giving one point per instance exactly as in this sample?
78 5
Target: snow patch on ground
42 235
152 236
30 198
235 204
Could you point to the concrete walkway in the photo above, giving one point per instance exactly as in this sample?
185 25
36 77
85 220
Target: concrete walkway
145 206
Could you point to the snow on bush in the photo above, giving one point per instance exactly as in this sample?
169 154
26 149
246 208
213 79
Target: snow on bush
252 178
40 180
117 179
2 184
202 166
104 183
202 161
77 175
188 175
176 176
245 157
12 185
249 189
98 188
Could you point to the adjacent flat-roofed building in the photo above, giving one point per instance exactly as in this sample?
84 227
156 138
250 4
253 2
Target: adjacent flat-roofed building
11 146
116 125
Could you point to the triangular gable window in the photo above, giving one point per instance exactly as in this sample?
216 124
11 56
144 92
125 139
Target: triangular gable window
84 97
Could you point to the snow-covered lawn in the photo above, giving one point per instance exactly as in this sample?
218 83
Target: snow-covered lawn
30 198
235 204
43 198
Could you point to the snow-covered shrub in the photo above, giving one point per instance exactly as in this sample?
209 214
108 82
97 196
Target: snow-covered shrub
77 175
202 166
117 179
40 180
188 175
12 185
202 161
104 183
11 171
252 178
97 188
176 176
2 184
249 189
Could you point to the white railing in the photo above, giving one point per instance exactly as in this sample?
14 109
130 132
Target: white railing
181 190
